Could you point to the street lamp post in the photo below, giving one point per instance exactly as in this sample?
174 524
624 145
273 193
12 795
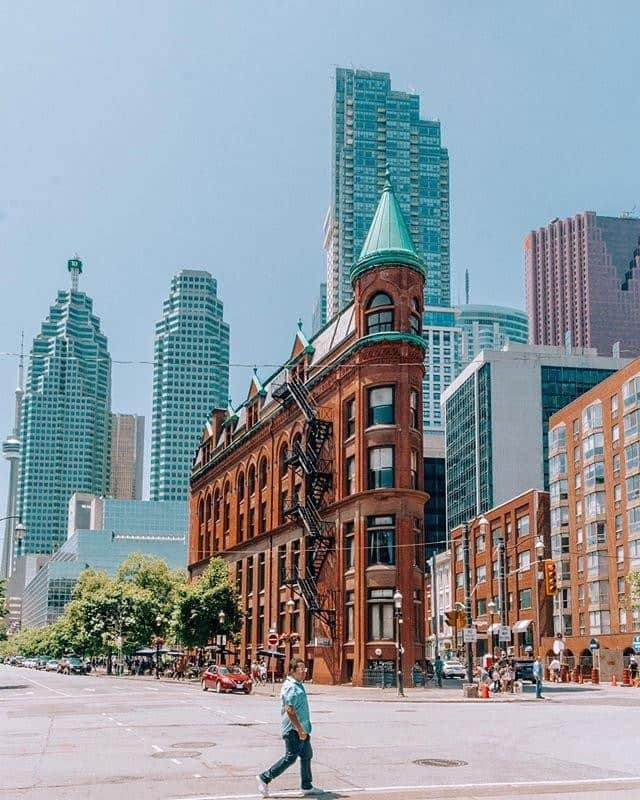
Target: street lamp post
158 643
492 608
291 604
539 546
467 589
222 639
397 605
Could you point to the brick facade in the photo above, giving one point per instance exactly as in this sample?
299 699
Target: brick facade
520 524
242 488
594 460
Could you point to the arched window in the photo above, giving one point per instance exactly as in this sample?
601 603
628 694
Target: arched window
282 461
263 472
251 481
216 505
379 313
207 509
241 487
226 509
415 319
200 512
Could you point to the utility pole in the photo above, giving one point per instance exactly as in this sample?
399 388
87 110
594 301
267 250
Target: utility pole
434 608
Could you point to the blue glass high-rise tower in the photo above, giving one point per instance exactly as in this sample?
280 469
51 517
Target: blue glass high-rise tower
376 128
190 378
65 424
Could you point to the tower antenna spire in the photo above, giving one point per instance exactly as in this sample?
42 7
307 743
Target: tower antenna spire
74 265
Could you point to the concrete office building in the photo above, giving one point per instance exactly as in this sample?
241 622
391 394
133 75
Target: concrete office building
127 457
581 282
497 414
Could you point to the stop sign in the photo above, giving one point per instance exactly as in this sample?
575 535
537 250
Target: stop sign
273 639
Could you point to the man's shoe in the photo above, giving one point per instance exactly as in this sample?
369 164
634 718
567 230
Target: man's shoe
263 788
312 792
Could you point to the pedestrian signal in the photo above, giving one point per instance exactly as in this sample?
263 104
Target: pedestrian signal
550 578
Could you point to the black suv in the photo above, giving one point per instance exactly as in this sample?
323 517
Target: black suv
72 665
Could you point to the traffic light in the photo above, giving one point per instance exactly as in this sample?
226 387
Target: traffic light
452 618
550 578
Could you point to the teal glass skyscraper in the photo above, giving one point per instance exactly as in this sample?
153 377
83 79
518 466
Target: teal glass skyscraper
376 128
65 424
190 378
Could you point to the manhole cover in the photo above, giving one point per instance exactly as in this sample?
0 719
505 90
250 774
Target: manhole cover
440 762
193 745
177 754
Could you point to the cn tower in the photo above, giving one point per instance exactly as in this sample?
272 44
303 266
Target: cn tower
11 451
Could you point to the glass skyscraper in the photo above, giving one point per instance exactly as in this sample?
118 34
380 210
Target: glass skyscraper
190 378
65 425
489 328
376 128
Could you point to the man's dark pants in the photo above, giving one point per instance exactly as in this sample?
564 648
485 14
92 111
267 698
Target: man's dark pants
294 748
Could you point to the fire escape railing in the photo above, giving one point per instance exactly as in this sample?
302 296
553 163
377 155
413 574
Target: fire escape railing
319 534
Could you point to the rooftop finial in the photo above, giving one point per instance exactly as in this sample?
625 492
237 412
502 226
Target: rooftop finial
387 178
299 323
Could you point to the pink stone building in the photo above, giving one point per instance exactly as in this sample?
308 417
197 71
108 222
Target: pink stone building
582 278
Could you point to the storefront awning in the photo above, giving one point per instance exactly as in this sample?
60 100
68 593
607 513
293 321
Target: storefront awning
522 625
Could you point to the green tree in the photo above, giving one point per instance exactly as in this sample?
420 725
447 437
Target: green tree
197 616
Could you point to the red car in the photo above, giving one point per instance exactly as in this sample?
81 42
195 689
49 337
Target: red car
225 679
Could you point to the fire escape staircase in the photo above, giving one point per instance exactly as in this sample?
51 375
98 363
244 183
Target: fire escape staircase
317 474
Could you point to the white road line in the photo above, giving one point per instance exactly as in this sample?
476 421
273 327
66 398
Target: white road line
450 788
175 761
261 722
128 730
151 689
195 775
239 716
157 749
49 688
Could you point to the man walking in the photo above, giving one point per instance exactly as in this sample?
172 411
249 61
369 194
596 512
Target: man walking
537 674
296 731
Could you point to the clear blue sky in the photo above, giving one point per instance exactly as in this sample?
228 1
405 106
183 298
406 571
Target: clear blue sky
150 136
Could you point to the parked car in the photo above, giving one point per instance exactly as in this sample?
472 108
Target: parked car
453 669
41 661
225 679
523 668
52 665
71 664
29 662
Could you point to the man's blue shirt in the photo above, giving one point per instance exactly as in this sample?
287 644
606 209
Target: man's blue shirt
293 694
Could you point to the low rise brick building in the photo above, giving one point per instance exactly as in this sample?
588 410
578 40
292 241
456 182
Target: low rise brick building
312 490
594 473
505 559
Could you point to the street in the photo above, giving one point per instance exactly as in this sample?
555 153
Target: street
103 738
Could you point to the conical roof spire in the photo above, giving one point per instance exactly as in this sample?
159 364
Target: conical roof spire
388 240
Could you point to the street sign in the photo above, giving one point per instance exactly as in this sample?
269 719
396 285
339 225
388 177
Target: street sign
504 633
273 639
469 635
636 644
270 653
594 644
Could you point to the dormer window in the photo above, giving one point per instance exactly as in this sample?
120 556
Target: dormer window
379 314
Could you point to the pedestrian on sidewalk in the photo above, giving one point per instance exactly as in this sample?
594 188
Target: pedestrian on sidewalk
439 668
296 731
537 674
554 671
633 669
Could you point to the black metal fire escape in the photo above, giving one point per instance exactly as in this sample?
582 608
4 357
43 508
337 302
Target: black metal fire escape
306 458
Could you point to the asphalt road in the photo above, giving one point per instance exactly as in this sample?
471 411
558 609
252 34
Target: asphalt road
99 738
